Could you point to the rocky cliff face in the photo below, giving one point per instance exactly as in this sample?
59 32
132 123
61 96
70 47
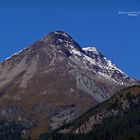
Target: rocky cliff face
54 81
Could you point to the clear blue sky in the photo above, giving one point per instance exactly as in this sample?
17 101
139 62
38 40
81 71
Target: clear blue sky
89 22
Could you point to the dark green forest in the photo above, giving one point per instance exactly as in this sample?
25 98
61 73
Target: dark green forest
119 128
10 130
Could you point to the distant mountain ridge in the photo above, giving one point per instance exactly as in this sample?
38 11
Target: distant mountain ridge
54 81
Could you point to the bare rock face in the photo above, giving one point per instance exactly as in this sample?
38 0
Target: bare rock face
54 81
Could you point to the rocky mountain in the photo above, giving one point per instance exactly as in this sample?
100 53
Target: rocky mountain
54 81
115 119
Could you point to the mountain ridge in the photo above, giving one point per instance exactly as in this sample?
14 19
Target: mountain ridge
57 37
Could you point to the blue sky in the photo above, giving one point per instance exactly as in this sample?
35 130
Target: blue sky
89 22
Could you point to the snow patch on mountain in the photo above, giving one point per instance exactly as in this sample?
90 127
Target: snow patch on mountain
102 65
91 49
15 54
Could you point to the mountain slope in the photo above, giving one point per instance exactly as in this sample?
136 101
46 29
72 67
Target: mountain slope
116 119
54 81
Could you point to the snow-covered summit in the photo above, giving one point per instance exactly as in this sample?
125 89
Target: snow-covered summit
102 60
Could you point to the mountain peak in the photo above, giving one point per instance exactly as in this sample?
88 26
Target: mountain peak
57 37
63 40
